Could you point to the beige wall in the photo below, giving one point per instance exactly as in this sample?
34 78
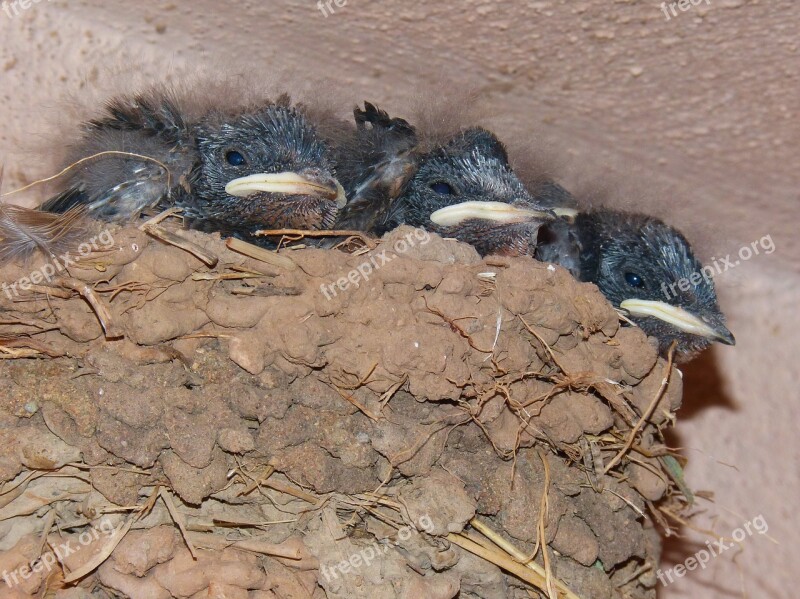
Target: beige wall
694 118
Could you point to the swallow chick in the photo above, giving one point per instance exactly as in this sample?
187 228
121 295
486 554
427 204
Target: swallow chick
231 170
393 174
645 268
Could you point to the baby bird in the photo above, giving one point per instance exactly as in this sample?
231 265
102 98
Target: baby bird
394 175
232 170
644 267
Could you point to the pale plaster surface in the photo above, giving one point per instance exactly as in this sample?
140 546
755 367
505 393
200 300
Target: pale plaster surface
693 118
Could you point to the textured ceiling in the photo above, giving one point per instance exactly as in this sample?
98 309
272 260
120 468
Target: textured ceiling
702 107
695 117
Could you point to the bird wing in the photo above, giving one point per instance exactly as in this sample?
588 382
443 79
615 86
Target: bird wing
551 195
115 188
64 201
132 158
376 168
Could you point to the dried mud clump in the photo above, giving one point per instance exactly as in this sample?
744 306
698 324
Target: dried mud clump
402 421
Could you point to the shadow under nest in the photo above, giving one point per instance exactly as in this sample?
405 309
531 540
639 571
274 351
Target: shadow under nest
448 426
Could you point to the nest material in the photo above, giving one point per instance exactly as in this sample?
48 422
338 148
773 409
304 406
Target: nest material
483 427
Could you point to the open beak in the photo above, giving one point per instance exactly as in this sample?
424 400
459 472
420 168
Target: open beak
680 319
498 212
286 183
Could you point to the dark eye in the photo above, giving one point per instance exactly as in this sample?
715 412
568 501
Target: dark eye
443 188
634 280
234 158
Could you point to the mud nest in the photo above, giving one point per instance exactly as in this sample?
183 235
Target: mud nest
273 426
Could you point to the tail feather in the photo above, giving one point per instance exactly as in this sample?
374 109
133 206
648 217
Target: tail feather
25 230
64 201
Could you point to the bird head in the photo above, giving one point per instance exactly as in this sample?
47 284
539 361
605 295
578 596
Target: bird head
451 180
647 269
471 167
264 169
466 189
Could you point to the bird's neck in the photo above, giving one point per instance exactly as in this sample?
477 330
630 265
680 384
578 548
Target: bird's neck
589 237
558 243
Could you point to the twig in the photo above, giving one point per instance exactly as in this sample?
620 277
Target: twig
455 328
225 276
282 550
25 347
355 402
100 309
328 233
253 251
636 574
267 290
161 216
389 393
300 494
255 482
109 547
514 552
543 509
505 562
632 505
647 413
178 519
60 293
208 258
546 347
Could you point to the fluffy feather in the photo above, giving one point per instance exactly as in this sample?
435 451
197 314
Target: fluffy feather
23 231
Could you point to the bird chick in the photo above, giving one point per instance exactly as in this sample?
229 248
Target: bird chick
232 170
395 175
638 263
633 259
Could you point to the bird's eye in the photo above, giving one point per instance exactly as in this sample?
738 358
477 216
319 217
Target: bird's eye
634 280
443 188
234 158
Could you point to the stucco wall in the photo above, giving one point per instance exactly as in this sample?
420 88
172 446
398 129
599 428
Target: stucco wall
695 117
